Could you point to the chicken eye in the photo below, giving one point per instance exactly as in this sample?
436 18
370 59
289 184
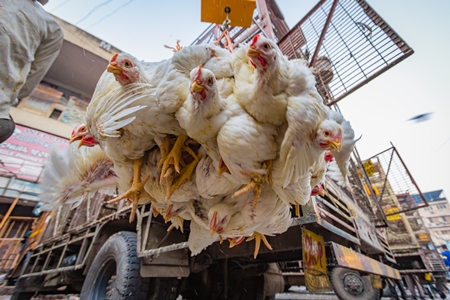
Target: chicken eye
266 46
326 133
127 64
210 81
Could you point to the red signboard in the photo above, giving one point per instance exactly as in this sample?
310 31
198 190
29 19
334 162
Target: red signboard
26 151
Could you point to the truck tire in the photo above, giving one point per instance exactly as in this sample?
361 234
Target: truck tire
349 285
115 271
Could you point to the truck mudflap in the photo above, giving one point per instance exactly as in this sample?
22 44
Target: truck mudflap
347 258
315 262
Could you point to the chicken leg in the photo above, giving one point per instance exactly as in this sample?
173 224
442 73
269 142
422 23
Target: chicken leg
137 191
256 182
258 237
186 173
174 156
164 149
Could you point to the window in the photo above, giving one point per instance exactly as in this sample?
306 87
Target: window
441 206
55 114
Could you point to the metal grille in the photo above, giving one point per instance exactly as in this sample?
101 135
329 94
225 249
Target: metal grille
393 183
355 39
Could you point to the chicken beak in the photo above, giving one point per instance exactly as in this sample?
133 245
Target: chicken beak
252 52
232 243
212 224
77 137
336 145
196 87
113 68
321 191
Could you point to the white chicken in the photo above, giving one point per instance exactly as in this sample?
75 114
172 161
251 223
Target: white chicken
275 219
202 116
248 148
204 111
261 89
338 168
130 119
70 176
210 183
309 131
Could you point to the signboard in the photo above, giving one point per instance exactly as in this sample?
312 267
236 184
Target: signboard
26 151
370 170
390 214
423 237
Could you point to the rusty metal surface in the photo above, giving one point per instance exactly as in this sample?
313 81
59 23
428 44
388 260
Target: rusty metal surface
348 258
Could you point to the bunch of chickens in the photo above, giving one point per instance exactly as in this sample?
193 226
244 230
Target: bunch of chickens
228 141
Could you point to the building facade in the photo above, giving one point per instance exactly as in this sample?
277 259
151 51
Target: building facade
436 217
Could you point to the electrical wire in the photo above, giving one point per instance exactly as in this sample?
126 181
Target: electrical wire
92 11
58 6
109 15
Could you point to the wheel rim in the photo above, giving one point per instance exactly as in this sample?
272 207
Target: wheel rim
353 284
104 280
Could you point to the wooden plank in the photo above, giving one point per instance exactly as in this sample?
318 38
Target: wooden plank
10 209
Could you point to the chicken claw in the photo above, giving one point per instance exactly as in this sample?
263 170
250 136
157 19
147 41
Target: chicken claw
258 237
256 182
137 191
164 149
185 175
235 241
174 156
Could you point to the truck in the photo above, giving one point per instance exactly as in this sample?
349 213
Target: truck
335 244
95 252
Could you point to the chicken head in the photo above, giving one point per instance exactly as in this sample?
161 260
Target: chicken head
329 135
81 133
203 86
125 68
262 52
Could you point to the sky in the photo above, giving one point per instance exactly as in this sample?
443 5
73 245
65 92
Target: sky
378 111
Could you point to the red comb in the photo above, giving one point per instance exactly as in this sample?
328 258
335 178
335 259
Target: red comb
199 73
254 40
114 57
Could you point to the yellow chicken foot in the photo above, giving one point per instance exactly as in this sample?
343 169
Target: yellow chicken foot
256 182
236 241
184 176
164 149
297 210
155 211
169 180
174 156
268 166
137 191
258 237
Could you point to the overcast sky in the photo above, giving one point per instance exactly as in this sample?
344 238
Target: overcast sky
378 110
